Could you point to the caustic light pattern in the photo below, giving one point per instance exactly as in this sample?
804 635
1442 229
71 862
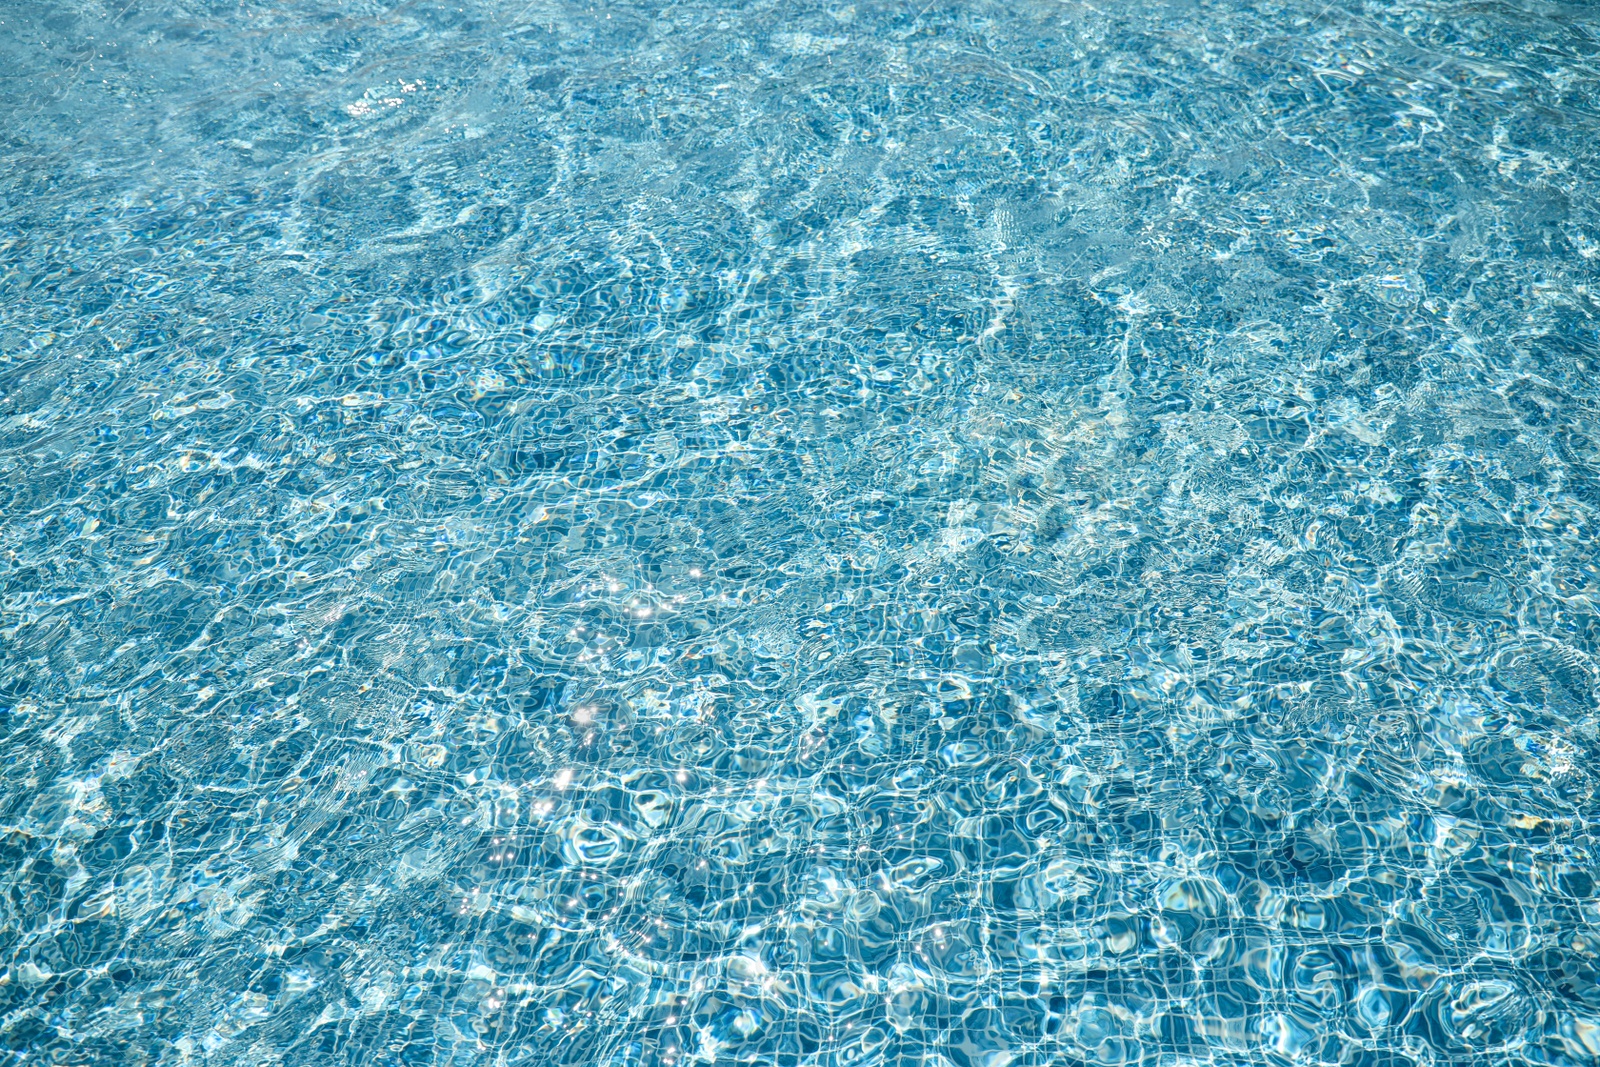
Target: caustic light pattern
799 535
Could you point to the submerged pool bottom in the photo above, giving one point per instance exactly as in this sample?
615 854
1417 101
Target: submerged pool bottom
928 536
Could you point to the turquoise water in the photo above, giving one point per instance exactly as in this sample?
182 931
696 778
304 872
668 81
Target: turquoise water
949 535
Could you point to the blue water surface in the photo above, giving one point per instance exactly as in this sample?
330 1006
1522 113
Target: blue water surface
910 534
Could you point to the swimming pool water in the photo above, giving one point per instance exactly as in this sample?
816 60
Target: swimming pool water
934 535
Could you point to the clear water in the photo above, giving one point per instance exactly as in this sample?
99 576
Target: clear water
956 535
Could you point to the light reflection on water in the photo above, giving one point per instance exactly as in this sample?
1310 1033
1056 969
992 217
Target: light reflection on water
963 535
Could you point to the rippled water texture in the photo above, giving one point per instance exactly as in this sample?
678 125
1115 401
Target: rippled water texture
964 535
